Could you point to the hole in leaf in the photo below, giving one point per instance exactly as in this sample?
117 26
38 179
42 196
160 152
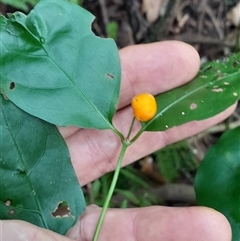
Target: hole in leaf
62 210
21 170
11 212
8 203
217 90
12 86
193 106
235 94
110 76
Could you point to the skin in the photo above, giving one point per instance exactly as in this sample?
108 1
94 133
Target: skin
152 68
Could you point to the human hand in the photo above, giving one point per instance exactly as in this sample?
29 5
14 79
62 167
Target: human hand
152 68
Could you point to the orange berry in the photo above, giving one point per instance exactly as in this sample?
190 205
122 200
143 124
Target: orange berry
144 106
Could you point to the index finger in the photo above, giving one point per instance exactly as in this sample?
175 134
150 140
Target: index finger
156 68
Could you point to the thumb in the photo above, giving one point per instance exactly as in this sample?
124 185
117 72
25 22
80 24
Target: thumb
153 223
16 230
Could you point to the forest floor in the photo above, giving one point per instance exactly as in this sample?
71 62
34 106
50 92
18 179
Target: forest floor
213 29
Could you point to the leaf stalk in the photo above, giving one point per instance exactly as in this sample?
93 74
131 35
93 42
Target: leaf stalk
125 144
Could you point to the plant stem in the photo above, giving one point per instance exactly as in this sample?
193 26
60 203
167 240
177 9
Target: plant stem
130 130
117 132
111 190
136 136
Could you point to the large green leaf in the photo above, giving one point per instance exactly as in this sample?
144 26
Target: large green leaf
217 183
216 87
36 175
55 68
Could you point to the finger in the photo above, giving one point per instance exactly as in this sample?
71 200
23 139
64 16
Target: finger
16 230
154 223
152 68
156 68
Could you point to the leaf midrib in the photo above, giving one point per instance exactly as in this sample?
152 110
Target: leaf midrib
68 76
27 174
185 96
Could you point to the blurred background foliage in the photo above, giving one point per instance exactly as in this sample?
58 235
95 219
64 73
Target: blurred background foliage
213 28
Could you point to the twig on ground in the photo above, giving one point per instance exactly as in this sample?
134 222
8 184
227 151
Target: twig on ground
215 22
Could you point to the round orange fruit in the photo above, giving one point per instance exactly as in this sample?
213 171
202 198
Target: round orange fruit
144 106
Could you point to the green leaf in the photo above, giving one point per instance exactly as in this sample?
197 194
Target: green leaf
216 87
55 68
37 180
217 183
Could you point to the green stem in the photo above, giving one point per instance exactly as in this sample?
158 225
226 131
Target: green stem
136 136
111 190
117 132
130 130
